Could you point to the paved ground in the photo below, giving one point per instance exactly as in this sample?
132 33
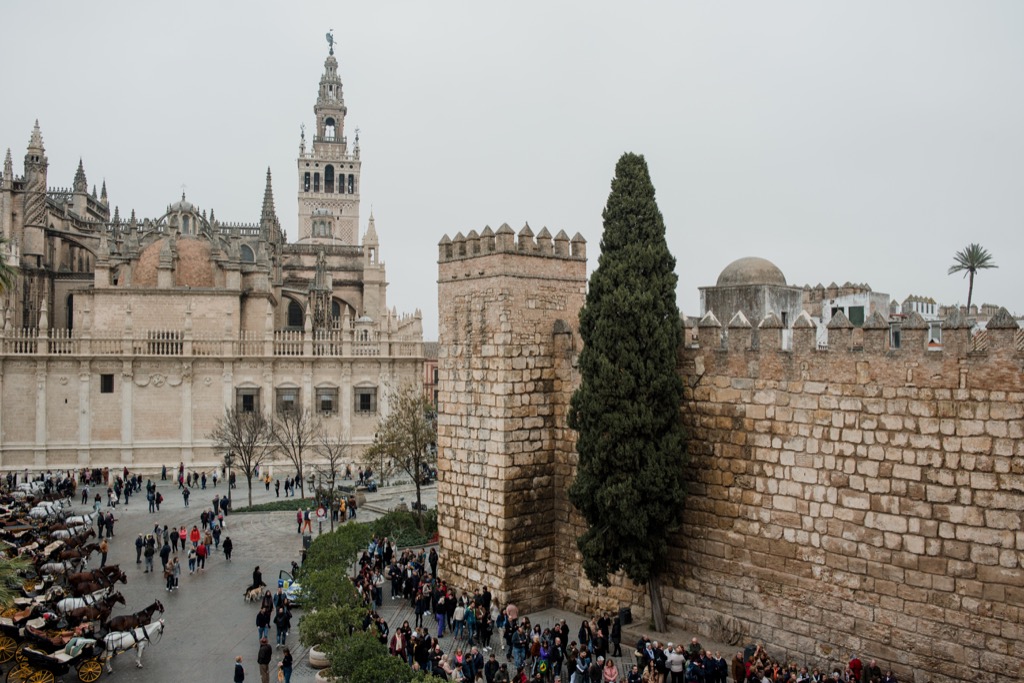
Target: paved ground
208 623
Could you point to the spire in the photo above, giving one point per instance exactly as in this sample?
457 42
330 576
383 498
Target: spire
371 231
80 183
103 192
8 179
269 225
35 143
268 199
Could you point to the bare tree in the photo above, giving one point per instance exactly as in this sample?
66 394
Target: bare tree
245 437
406 436
295 432
335 453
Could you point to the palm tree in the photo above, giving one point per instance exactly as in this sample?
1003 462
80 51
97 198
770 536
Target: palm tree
969 261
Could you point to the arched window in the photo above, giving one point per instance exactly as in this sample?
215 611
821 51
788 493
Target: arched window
316 182
329 179
305 183
185 225
351 183
247 254
335 309
329 129
296 317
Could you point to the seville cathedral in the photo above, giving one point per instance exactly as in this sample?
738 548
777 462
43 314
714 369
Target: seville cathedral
124 337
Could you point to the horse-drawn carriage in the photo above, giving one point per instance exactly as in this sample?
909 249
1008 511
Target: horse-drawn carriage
85 655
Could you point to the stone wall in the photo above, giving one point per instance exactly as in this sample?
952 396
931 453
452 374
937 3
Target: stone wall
508 319
848 499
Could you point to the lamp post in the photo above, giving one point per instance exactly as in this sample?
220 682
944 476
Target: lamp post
229 459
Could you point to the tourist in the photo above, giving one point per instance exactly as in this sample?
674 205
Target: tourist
286 665
191 560
283 622
262 624
239 671
228 545
263 658
139 543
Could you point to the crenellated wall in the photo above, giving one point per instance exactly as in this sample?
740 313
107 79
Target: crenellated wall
845 498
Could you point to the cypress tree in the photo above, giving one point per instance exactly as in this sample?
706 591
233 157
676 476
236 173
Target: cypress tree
629 483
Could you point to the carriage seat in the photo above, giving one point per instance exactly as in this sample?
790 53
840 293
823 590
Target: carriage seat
74 648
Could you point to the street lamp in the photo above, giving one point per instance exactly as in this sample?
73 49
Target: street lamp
229 460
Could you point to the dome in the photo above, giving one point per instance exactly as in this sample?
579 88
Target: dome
192 268
183 205
751 270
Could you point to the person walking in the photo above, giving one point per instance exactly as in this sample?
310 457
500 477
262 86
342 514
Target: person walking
263 658
263 624
148 554
191 560
227 545
286 665
169 576
201 551
104 549
176 573
239 671
283 622
185 493
139 544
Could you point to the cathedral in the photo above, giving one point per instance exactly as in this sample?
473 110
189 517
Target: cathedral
125 338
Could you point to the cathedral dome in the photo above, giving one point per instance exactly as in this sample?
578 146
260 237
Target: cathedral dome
193 266
751 270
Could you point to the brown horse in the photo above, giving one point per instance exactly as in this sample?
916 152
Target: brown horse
97 612
80 589
78 553
78 540
98 574
127 622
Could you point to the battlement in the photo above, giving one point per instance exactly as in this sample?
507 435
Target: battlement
1003 336
505 241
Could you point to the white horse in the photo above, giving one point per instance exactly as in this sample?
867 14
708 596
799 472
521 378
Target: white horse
68 604
121 641
87 519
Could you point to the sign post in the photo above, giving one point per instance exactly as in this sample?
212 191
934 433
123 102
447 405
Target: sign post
321 515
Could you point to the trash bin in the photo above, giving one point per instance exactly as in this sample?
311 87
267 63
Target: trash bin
307 539
625 616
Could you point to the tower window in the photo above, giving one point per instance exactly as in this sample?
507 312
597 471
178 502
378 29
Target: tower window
106 384
341 183
329 179
305 183
316 182
351 184
329 128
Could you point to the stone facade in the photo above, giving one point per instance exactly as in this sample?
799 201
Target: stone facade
507 338
131 336
848 498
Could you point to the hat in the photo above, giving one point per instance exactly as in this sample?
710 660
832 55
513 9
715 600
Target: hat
670 646
263 640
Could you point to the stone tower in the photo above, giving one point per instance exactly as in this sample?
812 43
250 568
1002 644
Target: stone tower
328 173
508 339
36 166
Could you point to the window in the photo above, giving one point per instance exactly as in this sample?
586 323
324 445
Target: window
327 401
106 384
305 182
341 183
857 316
316 182
247 400
296 318
247 254
435 375
351 184
366 400
287 400
329 179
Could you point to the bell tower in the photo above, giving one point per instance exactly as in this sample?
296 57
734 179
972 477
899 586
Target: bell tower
328 172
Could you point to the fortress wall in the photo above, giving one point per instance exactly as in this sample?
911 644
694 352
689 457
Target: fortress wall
851 499
848 501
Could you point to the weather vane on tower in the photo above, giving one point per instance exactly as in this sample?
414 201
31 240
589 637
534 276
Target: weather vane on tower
330 40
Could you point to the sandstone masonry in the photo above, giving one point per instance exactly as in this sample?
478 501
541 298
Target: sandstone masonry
854 498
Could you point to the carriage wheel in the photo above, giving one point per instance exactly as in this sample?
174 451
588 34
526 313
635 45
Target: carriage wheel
19 674
19 654
7 647
40 676
9 612
90 670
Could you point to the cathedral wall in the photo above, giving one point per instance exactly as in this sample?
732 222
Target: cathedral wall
213 312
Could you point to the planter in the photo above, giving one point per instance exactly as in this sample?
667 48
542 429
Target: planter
317 658
322 676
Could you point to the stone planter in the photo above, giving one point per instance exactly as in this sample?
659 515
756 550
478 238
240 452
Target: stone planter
323 676
317 658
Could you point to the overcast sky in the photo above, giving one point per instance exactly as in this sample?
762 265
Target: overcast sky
859 141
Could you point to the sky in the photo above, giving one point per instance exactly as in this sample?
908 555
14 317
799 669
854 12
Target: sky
844 141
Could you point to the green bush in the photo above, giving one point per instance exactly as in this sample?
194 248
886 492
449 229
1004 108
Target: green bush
400 526
284 504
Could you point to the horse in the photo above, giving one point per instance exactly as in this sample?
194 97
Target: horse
81 553
57 567
68 604
117 642
102 581
78 540
99 611
126 622
105 571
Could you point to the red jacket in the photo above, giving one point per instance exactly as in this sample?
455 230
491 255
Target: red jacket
194 536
